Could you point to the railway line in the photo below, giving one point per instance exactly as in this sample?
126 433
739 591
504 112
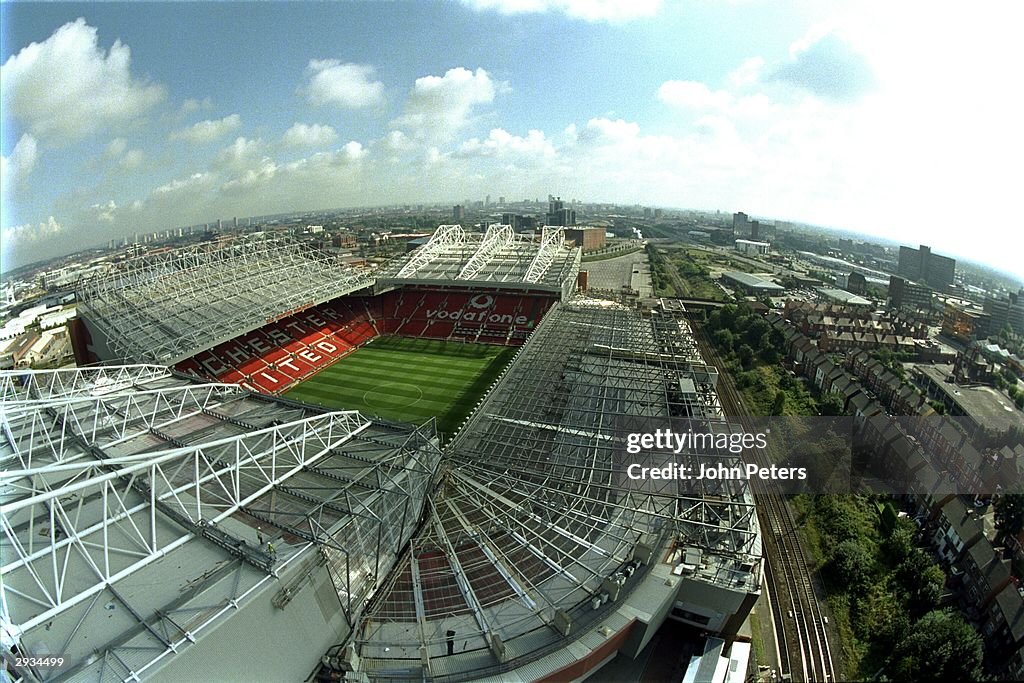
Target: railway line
805 653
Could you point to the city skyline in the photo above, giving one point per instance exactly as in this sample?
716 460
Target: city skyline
121 118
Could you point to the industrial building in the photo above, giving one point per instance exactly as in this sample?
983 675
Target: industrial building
752 248
753 285
590 239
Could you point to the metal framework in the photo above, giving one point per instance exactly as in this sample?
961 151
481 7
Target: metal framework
108 472
536 514
497 256
444 237
551 242
498 237
167 307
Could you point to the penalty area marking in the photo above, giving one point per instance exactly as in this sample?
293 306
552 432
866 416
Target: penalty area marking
391 403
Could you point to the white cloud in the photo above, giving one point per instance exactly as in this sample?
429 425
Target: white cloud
16 168
241 153
588 10
438 106
692 95
118 152
116 148
132 159
191 183
304 135
190 106
104 212
67 86
353 151
345 85
501 143
25 235
209 130
827 66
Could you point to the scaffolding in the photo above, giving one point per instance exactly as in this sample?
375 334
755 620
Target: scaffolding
535 514
107 473
167 307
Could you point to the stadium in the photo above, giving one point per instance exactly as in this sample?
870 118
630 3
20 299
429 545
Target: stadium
273 466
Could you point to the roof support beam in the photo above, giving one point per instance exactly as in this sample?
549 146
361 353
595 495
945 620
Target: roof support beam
497 238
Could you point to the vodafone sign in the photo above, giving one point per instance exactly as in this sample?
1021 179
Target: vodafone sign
478 309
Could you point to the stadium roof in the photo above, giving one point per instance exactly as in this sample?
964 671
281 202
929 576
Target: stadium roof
497 256
142 509
164 308
535 513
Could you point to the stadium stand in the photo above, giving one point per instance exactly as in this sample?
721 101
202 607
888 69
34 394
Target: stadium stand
289 350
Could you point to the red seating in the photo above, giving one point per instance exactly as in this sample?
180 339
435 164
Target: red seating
281 353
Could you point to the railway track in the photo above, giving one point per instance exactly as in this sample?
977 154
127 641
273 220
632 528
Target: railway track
805 653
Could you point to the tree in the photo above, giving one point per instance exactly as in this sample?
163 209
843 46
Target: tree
853 564
1009 513
745 354
723 339
941 646
830 405
921 580
779 405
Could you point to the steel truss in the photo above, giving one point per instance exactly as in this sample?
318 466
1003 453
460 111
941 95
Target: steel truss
132 503
535 512
445 237
167 307
107 472
498 237
54 384
498 256
552 240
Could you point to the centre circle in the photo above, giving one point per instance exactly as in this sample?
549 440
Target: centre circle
381 398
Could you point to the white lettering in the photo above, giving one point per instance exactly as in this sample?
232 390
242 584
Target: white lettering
310 356
277 336
258 345
326 346
235 354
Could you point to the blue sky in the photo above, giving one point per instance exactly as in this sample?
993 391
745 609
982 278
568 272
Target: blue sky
901 122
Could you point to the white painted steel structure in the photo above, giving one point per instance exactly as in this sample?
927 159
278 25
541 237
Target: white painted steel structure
109 472
166 307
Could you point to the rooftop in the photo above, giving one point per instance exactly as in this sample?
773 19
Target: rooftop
753 281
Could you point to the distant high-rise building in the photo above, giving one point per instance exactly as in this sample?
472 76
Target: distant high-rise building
220 225
924 266
558 214
236 222
487 200
458 213
647 213
1003 313
501 200
658 214
907 295
741 227
856 283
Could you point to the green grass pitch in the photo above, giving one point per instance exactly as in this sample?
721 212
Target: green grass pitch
406 379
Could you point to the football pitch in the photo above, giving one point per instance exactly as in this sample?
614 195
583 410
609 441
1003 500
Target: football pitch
406 379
